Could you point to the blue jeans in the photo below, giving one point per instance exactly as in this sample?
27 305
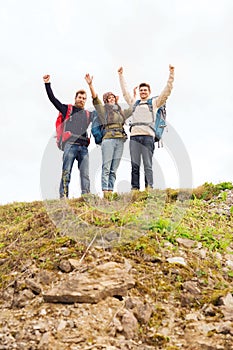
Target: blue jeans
141 146
112 150
80 153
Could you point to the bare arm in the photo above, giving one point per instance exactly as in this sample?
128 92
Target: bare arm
128 98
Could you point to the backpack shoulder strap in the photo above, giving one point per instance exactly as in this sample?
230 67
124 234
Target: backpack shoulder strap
150 100
69 111
136 104
88 115
150 104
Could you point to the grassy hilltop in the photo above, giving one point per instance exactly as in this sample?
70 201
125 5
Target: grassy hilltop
173 239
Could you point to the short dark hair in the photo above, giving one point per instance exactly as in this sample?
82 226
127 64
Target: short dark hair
82 92
144 84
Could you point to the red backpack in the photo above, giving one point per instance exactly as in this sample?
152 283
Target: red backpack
61 135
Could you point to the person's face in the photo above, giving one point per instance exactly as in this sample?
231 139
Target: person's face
144 92
111 99
80 100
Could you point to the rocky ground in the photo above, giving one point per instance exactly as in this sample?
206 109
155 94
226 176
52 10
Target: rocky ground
178 297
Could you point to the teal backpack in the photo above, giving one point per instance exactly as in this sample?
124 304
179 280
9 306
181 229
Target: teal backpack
97 129
158 123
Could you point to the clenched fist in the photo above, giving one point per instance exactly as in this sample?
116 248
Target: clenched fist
171 68
46 78
120 70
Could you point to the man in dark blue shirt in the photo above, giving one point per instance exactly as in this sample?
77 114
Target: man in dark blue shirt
76 145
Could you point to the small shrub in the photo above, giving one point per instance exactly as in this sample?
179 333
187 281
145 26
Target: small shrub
161 225
208 190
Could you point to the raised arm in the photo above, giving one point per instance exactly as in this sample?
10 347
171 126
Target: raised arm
161 99
96 101
128 98
57 104
89 80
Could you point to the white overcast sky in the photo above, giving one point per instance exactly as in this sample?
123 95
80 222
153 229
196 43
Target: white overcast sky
67 38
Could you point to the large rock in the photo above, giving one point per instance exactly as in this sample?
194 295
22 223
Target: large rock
110 279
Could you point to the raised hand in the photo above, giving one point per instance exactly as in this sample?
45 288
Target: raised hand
120 70
88 79
46 78
171 68
135 91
